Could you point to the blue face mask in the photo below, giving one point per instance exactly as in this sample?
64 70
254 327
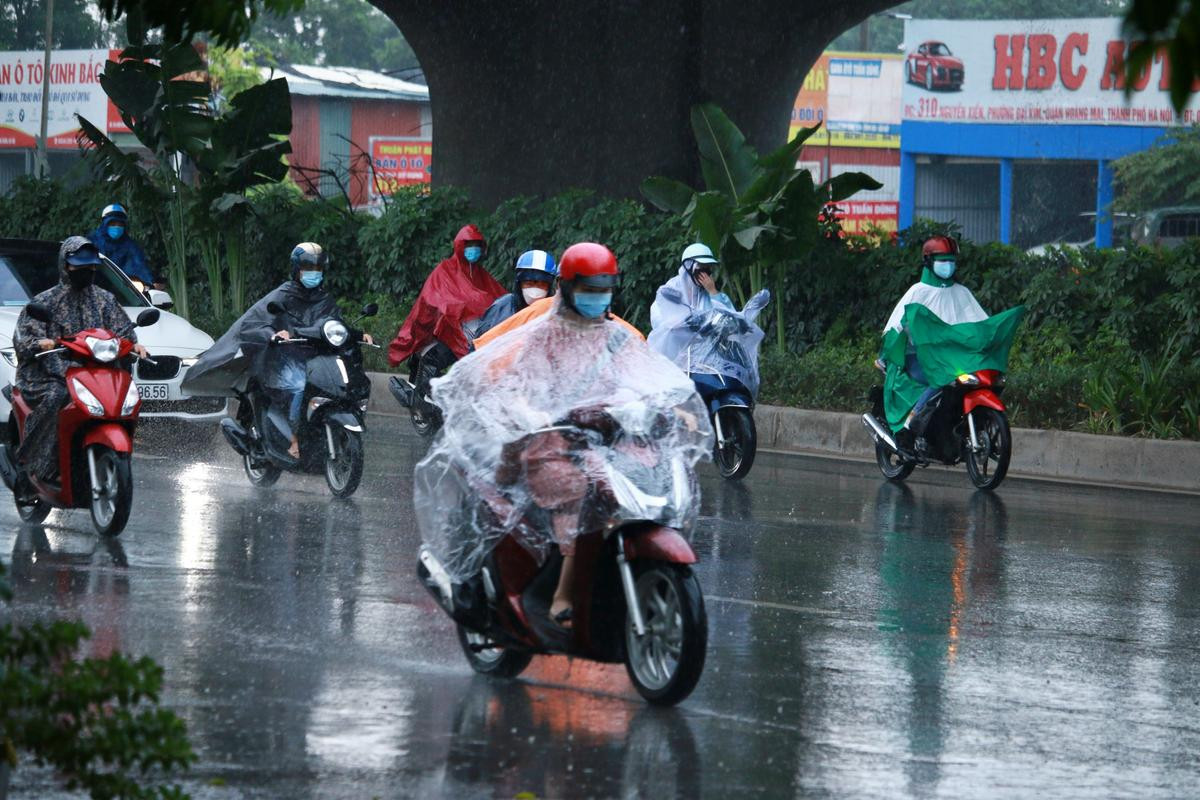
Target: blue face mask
944 269
473 254
115 232
311 278
592 305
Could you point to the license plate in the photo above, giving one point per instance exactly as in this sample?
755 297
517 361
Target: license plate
153 391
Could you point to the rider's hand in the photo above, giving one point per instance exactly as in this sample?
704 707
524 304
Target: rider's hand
706 281
45 344
141 351
282 335
368 338
689 419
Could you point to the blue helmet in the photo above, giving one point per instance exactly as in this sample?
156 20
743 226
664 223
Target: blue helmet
536 265
113 211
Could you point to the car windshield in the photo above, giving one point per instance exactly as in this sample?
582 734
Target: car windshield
939 49
24 274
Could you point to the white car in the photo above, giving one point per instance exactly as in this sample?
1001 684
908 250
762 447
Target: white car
28 267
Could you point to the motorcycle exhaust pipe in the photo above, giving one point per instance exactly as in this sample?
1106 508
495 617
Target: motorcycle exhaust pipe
402 390
878 433
236 435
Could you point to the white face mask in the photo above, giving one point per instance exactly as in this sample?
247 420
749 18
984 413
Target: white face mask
532 294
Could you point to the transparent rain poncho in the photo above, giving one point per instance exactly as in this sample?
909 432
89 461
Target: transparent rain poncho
707 337
556 429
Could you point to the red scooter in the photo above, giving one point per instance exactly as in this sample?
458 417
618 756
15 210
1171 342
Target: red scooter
98 421
636 598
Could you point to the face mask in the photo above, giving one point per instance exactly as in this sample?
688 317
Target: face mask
81 278
532 295
944 269
311 278
473 254
591 305
115 232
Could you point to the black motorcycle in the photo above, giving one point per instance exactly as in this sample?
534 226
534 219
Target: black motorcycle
413 393
331 418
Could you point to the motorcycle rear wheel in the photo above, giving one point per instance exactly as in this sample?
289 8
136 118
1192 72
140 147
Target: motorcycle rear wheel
735 459
891 465
344 474
988 468
666 663
260 473
498 662
110 508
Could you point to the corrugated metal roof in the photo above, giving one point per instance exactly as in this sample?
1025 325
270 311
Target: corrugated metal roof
347 82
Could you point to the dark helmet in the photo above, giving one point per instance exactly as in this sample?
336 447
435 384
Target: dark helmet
310 255
586 264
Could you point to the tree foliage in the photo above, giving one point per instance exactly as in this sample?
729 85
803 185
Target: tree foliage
343 33
23 25
1165 175
227 22
1170 25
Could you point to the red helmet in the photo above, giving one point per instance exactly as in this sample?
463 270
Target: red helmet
939 245
589 264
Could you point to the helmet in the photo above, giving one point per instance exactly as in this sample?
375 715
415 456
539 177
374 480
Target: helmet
937 246
699 253
536 265
114 211
308 254
588 264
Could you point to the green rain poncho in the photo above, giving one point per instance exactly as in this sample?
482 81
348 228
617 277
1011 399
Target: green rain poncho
944 351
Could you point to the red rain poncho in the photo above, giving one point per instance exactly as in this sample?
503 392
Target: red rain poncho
453 293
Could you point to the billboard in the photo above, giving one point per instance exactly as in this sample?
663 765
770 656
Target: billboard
74 89
856 95
1050 71
398 161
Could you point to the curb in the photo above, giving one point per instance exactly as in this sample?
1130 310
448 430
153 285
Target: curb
1065 456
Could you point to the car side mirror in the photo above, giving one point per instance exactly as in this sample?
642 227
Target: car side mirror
147 318
160 299
38 312
370 309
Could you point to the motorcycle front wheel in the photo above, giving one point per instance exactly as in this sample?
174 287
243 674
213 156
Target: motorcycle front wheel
425 424
344 473
736 457
112 493
666 662
488 658
988 466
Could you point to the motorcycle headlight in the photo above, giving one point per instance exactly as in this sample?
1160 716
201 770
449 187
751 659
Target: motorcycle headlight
10 356
131 400
335 333
968 380
88 399
103 349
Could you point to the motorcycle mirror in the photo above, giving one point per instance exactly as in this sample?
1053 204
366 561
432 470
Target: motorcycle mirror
147 318
370 309
38 312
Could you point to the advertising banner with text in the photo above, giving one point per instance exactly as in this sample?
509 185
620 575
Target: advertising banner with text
74 89
856 95
1051 71
398 161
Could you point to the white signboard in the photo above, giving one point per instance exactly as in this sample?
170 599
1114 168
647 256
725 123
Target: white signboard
74 89
1051 71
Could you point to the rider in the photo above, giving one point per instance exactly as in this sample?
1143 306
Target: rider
455 295
113 240
76 304
536 272
690 292
952 302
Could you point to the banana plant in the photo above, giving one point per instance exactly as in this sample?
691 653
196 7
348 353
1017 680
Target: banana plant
760 213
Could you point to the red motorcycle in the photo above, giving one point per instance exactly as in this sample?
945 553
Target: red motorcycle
98 421
636 598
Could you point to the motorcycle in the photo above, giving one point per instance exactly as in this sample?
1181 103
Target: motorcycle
332 417
721 360
967 423
636 599
425 415
98 422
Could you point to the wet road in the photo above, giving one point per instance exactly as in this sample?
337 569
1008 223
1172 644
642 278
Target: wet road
867 640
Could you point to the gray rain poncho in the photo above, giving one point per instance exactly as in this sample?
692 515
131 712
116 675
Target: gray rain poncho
707 337
243 350
553 430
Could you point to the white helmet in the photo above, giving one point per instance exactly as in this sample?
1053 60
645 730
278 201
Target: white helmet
698 252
